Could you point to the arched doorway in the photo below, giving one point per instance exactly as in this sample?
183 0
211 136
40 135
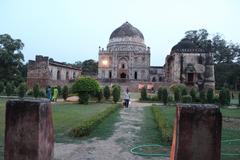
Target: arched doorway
123 75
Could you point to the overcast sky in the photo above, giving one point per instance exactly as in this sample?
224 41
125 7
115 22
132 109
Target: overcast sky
72 30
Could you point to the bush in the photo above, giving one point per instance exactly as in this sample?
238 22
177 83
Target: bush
165 96
224 96
29 92
170 99
163 125
202 96
239 98
59 90
9 89
187 99
88 125
84 87
42 93
65 92
1 87
177 95
106 92
21 90
144 94
99 95
159 94
193 94
36 90
184 91
116 94
216 99
228 96
210 95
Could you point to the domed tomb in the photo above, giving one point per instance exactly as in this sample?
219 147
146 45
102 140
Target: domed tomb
126 38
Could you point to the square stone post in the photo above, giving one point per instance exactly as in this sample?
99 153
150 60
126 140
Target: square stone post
29 131
197 132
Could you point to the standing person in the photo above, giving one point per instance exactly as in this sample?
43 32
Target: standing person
55 94
126 98
49 93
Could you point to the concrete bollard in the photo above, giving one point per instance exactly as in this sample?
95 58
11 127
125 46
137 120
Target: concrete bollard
197 132
29 131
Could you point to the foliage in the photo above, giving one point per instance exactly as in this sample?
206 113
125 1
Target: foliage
187 99
88 125
163 125
11 59
224 96
21 90
100 95
170 98
193 94
9 89
65 92
84 87
89 67
184 91
165 96
1 87
36 90
179 86
228 96
106 92
239 98
202 96
116 93
144 94
210 95
177 94
59 90
159 93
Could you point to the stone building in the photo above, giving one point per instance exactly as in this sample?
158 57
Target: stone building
52 73
126 58
191 65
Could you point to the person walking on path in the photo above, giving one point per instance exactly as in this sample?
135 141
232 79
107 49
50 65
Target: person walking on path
126 98
55 94
49 93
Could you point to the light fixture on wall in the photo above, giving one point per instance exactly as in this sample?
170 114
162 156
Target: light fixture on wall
105 62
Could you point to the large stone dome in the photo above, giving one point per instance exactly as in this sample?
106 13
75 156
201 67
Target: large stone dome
186 46
126 38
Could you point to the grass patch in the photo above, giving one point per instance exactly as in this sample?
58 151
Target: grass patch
85 127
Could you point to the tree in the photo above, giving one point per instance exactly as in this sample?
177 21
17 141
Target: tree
1 87
202 96
89 67
193 94
177 94
184 91
9 88
85 86
165 96
65 92
143 94
106 92
210 95
11 59
159 94
100 95
21 90
116 94
36 90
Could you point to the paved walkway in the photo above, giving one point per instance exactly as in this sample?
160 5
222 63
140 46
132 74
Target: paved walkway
115 147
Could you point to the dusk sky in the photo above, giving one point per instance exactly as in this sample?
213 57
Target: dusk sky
72 30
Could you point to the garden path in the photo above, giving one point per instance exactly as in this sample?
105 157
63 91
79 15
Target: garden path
115 147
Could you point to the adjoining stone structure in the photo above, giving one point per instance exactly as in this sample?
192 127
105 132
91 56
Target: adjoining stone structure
52 73
127 59
29 133
197 132
191 65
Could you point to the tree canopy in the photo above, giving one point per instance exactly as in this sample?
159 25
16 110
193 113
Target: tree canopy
11 59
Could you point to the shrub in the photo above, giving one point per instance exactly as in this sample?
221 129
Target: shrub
239 98
193 94
165 96
170 99
163 125
187 99
88 125
29 92
84 87
65 92
36 90
21 90
106 92
59 90
179 86
1 87
99 95
42 93
116 94
216 99
210 95
202 96
177 95
144 94
184 91
228 96
224 96
159 94
9 89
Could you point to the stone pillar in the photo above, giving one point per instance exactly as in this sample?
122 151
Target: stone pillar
29 130
197 132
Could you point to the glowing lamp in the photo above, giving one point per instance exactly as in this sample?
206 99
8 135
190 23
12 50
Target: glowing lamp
105 62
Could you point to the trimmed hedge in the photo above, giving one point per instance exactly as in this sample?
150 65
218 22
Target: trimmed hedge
187 99
144 94
85 127
163 125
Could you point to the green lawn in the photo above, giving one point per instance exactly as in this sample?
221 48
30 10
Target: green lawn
230 130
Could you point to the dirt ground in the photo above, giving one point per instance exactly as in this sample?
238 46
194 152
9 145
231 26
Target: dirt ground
115 147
